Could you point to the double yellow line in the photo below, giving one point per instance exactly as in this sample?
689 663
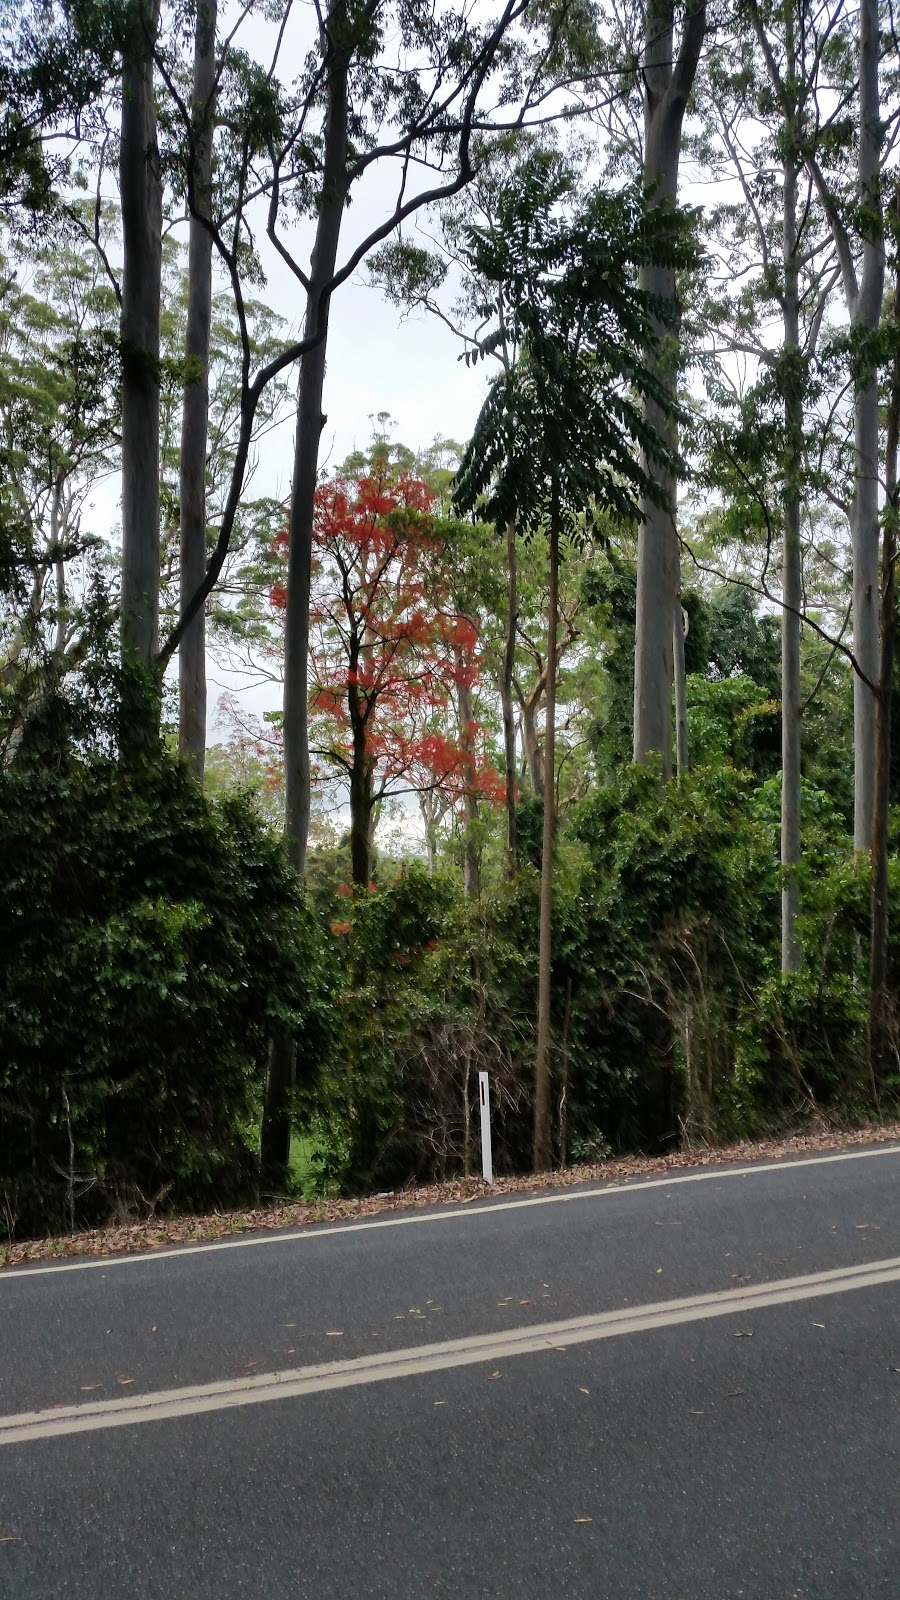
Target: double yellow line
297 1382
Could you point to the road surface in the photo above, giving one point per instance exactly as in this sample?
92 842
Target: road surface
683 1386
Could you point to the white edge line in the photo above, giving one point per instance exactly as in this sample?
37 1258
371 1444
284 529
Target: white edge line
454 1211
200 1399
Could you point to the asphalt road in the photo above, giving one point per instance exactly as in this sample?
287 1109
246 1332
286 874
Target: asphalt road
753 1451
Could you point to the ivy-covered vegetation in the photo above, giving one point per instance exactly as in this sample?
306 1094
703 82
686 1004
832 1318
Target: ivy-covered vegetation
151 941
579 761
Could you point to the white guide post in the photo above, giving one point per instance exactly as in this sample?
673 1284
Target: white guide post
484 1097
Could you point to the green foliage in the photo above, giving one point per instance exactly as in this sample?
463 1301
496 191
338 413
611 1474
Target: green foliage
671 1018
152 940
675 917
731 720
56 59
569 412
435 988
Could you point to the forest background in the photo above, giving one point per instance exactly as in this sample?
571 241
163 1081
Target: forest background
562 751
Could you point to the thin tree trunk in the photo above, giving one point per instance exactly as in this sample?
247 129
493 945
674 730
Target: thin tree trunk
864 521
542 1151
667 85
141 197
792 579
878 1041
360 774
195 414
310 422
564 1075
682 753
531 746
506 700
430 818
276 1128
360 824
275 1141
471 862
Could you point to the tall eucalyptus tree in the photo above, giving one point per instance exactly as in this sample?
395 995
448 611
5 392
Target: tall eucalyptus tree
668 70
195 413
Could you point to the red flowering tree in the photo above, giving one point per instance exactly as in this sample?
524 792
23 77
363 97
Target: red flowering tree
390 655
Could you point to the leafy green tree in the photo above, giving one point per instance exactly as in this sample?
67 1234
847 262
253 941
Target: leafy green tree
57 61
153 941
58 440
556 435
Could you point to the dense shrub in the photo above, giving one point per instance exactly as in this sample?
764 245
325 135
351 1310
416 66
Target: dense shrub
150 940
434 989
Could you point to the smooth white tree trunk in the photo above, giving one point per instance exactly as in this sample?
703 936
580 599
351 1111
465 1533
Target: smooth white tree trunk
667 84
195 413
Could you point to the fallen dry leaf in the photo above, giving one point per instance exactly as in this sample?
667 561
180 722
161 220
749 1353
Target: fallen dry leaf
124 1380
10 1538
583 1519
583 1391
744 1333
817 1324
497 1374
440 1402
118 1240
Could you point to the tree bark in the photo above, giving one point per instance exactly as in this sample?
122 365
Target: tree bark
667 85
542 1151
275 1143
878 1039
360 820
429 807
141 198
471 855
310 422
506 700
195 412
531 745
864 521
792 577
682 751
